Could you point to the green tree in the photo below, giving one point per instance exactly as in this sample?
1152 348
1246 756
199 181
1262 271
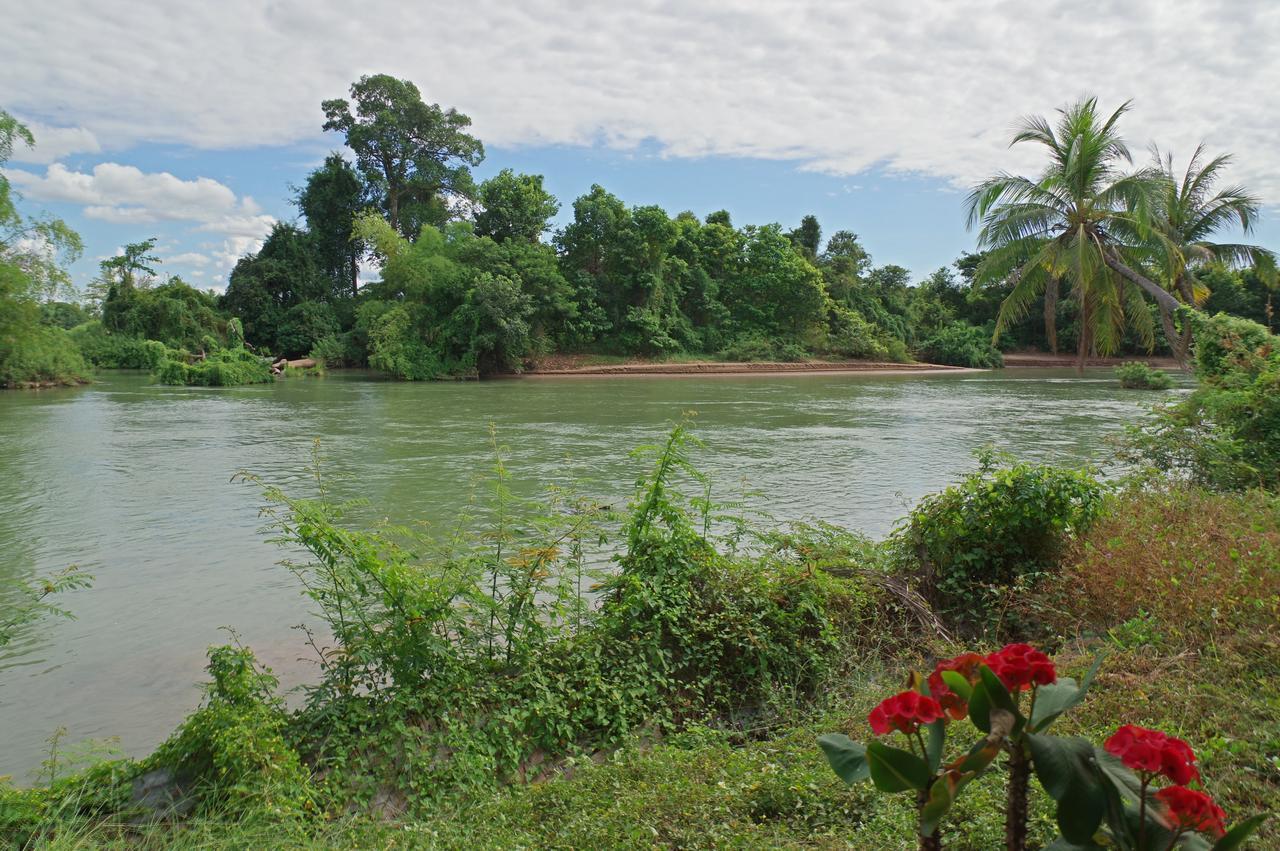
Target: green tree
1188 214
132 267
807 237
263 288
330 201
514 206
34 254
413 155
1068 225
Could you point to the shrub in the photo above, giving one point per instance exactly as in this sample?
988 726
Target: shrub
759 346
338 350
962 345
1226 434
1001 526
850 335
43 354
219 368
1136 375
107 349
231 752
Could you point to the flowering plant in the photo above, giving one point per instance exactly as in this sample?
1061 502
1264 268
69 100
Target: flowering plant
1104 795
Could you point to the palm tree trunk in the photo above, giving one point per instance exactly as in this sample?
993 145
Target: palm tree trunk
1164 299
1051 313
1159 293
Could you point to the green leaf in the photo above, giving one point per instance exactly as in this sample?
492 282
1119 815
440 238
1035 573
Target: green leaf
935 744
895 770
1053 700
957 683
1066 770
1237 835
941 797
848 758
997 694
980 707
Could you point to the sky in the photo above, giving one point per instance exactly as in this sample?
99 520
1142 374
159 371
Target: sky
192 122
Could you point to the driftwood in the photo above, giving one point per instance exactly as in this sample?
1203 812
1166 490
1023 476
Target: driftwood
916 604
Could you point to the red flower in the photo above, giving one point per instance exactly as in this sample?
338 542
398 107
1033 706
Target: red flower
1192 809
966 664
1178 762
905 711
1020 665
1154 752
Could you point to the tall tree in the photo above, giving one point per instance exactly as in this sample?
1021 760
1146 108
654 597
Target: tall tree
808 237
514 206
414 155
1066 225
132 266
331 200
1188 214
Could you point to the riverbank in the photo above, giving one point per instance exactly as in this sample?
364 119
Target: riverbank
740 368
1052 361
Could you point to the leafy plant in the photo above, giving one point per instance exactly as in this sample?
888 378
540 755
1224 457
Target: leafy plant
1002 525
1136 375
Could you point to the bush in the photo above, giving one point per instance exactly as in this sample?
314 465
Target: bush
231 752
962 345
759 346
1136 375
850 335
338 350
1002 526
219 368
1226 434
107 349
42 354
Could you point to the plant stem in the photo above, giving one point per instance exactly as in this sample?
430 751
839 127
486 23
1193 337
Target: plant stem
1142 812
932 842
1015 812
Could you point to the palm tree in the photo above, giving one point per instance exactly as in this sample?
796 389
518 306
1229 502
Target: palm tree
1067 226
1188 213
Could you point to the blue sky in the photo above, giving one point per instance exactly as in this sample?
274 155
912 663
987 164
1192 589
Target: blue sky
190 122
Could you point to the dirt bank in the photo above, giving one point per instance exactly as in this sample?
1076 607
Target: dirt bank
1021 359
567 367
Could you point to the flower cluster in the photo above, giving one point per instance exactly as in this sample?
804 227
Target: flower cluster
905 711
1154 753
966 665
1191 809
1019 666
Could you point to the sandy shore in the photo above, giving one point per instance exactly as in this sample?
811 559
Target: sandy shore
702 368
1044 359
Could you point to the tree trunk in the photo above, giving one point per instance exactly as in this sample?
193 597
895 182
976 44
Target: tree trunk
393 209
1051 313
1164 299
1162 296
355 274
1015 811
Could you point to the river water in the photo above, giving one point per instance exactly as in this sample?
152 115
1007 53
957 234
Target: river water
132 482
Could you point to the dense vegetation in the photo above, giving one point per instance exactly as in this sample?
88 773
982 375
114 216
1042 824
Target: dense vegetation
474 282
491 686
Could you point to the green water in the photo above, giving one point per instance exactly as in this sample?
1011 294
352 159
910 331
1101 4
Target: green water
133 482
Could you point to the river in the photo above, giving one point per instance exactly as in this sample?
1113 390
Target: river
132 482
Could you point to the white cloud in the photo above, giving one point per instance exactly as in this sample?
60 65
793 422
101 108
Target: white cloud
188 258
927 87
54 143
123 194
